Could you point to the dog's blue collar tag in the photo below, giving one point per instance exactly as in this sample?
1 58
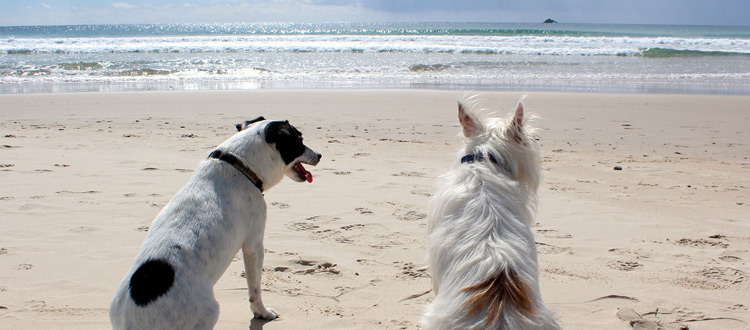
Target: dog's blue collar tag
468 159
239 165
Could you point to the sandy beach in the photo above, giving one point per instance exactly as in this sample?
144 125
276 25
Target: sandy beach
662 243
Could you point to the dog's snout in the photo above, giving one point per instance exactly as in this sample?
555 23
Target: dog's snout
316 159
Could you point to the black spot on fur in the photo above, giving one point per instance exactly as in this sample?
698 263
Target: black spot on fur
152 280
288 140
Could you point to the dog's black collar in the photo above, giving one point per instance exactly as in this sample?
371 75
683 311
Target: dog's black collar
239 165
468 159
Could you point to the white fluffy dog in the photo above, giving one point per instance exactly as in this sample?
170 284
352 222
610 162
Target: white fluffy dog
195 237
481 249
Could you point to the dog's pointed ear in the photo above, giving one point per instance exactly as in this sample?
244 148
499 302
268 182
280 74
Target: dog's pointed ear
518 117
468 124
516 125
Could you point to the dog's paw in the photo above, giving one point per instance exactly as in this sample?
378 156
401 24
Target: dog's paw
267 314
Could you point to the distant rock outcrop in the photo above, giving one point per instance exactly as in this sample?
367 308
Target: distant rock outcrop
550 21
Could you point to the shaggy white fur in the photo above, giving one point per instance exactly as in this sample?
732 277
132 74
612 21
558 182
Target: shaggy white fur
481 249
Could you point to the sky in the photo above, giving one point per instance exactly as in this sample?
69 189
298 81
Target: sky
68 12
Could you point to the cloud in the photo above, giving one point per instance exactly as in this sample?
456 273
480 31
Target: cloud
46 6
123 5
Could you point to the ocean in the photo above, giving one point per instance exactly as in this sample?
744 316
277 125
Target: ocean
465 56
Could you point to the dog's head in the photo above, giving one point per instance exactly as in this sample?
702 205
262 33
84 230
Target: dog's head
288 142
272 149
510 138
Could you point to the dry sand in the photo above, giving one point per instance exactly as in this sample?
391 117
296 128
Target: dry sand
663 242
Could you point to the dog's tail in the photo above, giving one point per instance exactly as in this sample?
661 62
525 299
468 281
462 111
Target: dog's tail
498 293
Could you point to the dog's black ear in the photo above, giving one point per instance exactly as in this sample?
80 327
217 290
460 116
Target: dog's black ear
260 118
247 123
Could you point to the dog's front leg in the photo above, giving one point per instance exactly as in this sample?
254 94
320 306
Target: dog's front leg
252 253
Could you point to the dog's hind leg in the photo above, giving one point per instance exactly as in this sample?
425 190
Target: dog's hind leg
209 318
252 253
195 309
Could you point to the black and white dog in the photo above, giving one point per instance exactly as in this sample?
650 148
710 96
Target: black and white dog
195 237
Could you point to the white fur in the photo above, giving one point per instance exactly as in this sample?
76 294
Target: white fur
479 224
229 213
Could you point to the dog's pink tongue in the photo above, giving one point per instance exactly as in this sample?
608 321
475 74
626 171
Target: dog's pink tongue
308 175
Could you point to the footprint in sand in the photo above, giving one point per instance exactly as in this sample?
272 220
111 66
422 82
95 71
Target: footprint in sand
363 211
156 205
624 265
354 226
736 307
421 192
357 234
544 248
564 272
322 219
551 233
637 253
36 305
408 270
324 234
143 228
409 174
408 215
400 324
730 258
25 267
725 275
280 205
82 229
301 226
701 243
315 267
77 192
